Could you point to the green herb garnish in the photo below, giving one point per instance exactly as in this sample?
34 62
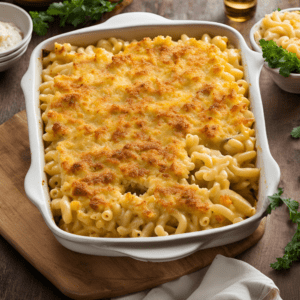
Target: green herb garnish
277 57
40 19
296 132
292 250
72 12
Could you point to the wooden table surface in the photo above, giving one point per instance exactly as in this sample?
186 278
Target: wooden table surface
19 280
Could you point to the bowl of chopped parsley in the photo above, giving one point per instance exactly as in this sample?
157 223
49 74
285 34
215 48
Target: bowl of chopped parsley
282 66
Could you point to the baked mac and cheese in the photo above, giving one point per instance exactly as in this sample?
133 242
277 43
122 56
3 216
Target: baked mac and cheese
283 28
148 138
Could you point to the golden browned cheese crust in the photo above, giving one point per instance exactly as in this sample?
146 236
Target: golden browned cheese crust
121 123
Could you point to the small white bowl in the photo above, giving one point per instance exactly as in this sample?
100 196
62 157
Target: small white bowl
289 84
9 63
20 18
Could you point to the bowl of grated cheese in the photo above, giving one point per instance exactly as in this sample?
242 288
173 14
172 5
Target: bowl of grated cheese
15 34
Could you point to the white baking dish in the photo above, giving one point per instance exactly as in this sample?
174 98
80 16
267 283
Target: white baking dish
156 249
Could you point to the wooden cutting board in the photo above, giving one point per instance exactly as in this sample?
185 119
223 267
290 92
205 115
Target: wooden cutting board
77 275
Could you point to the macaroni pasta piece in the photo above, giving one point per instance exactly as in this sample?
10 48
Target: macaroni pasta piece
283 28
148 138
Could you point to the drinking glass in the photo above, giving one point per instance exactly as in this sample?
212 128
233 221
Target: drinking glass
240 10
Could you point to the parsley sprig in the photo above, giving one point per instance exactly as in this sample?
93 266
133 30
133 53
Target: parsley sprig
72 12
277 57
292 250
39 20
296 132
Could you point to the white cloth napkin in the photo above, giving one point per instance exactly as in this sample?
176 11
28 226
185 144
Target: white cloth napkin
226 279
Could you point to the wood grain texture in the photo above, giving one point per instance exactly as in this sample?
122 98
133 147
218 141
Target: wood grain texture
19 280
77 275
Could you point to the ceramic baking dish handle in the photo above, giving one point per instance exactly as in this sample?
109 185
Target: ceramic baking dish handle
272 175
256 62
33 187
156 253
33 192
134 20
271 168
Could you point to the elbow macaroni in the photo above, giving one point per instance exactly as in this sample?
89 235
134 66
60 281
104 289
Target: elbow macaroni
283 28
148 138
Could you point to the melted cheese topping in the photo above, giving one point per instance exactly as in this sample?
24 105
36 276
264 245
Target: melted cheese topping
121 123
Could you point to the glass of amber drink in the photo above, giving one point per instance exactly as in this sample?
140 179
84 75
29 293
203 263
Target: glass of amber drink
240 10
